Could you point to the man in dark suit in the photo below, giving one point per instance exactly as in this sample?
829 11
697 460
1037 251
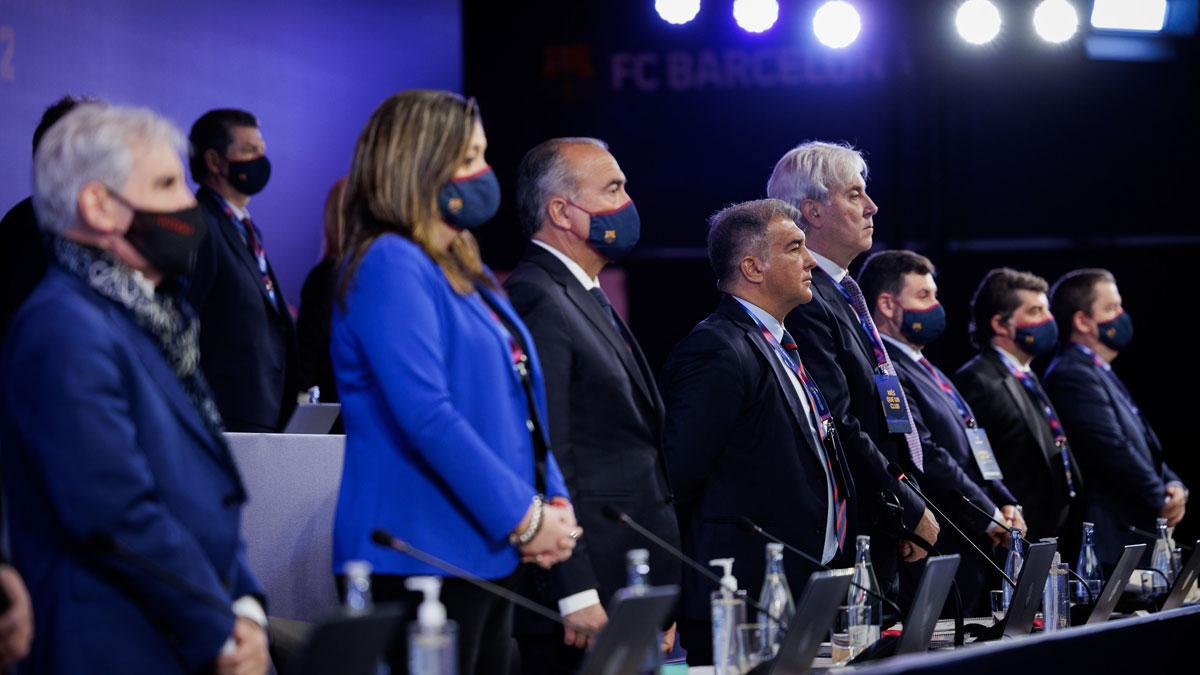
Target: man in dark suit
125 502
900 288
247 339
1129 483
841 347
1011 324
605 412
748 432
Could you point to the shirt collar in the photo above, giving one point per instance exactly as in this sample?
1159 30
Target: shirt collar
1011 361
911 353
242 214
762 315
572 266
831 268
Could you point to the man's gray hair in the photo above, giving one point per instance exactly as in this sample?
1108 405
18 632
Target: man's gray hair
810 170
93 142
543 174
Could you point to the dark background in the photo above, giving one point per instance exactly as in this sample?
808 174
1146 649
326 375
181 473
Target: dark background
1019 153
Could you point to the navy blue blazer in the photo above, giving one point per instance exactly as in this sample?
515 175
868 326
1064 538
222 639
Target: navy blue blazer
437 447
1117 449
247 343
738 444
102 444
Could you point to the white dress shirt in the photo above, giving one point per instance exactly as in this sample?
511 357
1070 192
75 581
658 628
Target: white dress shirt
831 268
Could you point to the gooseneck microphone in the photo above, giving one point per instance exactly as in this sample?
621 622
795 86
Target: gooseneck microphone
750 526
1152 537
616 515
898 472
386 539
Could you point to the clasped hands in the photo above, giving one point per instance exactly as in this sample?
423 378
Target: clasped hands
556 536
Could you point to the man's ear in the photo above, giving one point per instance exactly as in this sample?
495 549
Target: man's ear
212 161
999 325
752 269
810 209
557 210
1083 323
886 305
98 211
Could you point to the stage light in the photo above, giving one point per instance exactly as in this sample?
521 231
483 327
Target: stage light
677 12
978 21
755 16
1055 20
837 24
1141 15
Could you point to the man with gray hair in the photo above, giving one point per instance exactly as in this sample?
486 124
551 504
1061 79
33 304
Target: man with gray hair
748 432
125 501
604 410
842 348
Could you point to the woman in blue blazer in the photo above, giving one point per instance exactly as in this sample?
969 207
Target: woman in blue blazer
441 391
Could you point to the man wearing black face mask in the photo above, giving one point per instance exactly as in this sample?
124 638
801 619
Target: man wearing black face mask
248 344
1011 324
605 414
900 288
1129 483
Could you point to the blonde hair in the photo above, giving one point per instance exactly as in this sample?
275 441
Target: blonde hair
411 147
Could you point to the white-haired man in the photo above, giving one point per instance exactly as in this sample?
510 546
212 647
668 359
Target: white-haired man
125 502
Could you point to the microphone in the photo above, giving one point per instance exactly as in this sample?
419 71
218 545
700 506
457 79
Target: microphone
750 526
615 515
386 539
898 472
1151 536
102 544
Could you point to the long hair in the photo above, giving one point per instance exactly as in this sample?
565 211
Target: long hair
334 221
410 148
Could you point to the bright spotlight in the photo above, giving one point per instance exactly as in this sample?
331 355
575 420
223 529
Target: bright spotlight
837 24
677 11
755 16
1055 20
978 21
1143 15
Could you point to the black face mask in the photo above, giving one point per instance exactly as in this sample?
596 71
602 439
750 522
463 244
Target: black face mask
168 240
251 176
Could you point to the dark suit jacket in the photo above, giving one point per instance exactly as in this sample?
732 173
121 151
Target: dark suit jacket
247 343
23 259
315 367
1022 442
738 445
836 352
1126 475
605 419
101 443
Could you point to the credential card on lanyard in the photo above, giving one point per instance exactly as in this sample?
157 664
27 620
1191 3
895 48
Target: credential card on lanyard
892 400
984 458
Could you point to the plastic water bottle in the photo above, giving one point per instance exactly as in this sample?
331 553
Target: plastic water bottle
1088 566
864 578
1162 559
431 639
1013 563
358 587
637 569
728 612
776 598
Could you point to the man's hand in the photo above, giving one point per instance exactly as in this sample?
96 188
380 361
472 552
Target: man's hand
592 618
1175 507
928 530
250 656
555 540
668 640
16 624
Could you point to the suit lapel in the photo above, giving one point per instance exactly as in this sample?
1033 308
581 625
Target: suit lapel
1034 418
230 231
838 305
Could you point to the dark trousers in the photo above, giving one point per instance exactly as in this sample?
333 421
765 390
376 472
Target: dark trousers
696 638
484 621
545 654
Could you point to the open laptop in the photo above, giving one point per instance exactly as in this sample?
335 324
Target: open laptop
1116 584
1028 595
347 645
1183 583
632 629
822 596
927 605
313 418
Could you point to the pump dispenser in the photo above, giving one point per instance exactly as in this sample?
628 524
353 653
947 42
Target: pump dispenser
728 612
431 640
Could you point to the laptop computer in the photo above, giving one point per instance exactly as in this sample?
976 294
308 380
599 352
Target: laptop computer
347 645
632 629
1027 597
927 604
313 418
1183 583
822 596
1116 584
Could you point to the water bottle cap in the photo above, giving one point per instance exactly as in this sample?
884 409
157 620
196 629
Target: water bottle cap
357 568
637 556
774 548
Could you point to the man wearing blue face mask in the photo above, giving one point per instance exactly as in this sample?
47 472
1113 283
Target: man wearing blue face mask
1011 324
900 288
605 413
248 343
1129 483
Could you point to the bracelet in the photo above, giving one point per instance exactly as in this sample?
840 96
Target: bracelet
535 525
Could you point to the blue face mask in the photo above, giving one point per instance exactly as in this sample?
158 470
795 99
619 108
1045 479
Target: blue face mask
922 326
1036 339
614 233
470 201
1117 333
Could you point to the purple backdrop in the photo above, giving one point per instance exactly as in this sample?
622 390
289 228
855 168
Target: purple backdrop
312 71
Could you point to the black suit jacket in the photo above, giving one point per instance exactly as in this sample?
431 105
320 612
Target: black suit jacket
836 352
738 444
1127 477
23 259
313 327
247 343
604 415
1022 442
